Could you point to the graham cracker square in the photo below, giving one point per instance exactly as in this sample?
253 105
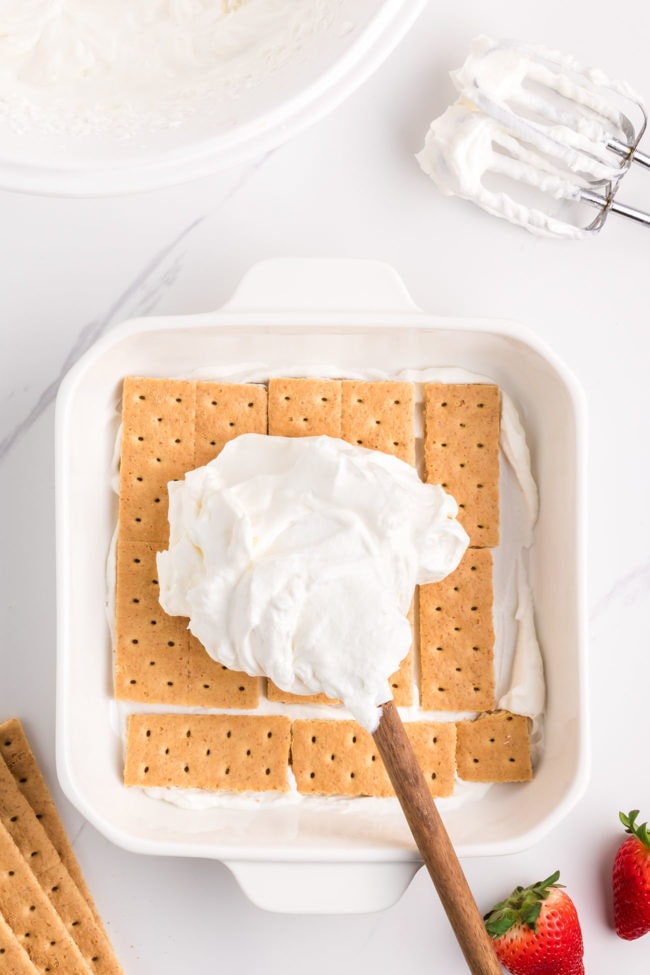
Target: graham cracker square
304 407
434 743
457 637
336 758
461 452
494 748
208 751
331 757
157 446
379 415
157 659
225 411
212 685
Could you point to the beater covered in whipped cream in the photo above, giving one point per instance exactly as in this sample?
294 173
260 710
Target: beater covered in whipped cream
530 132
297 558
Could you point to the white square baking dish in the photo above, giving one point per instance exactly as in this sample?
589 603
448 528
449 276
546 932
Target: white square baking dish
321 857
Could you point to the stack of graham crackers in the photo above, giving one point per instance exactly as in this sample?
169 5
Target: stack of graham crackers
172 426
48 921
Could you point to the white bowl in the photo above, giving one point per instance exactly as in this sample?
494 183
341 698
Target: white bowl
311 857
233 131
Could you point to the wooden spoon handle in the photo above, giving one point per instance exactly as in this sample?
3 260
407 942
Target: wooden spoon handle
434 844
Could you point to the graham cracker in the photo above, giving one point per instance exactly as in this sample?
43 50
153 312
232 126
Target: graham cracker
212 685
157 446
457 637
340 758
461 452
151 648
34 921
434 743
23 765
31 839
168 428
208 751
304 407
14 960
379 415
494 748
223 412
157 659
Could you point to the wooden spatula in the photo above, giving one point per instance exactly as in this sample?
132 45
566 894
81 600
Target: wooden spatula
434 844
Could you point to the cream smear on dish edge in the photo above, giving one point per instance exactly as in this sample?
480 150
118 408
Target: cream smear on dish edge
519 672
120 66
498 127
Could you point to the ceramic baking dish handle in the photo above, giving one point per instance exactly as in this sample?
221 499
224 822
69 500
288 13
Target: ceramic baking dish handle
308 887
314 284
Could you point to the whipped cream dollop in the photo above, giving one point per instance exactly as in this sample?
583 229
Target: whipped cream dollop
529 133
297 559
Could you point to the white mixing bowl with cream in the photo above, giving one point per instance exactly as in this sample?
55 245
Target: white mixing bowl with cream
128 95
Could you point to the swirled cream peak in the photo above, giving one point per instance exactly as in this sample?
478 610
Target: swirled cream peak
297 558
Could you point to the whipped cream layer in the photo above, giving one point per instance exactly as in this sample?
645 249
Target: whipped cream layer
297 559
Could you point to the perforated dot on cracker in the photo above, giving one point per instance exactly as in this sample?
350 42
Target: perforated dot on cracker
457 637
494 748
461 452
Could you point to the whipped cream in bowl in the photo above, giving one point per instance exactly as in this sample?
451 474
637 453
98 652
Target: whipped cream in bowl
121 96
297 558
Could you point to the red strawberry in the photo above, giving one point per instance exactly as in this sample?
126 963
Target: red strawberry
536 930
631 880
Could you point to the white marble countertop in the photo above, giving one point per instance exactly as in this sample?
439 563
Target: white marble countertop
347 187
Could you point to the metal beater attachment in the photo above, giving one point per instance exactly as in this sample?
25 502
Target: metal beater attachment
534 137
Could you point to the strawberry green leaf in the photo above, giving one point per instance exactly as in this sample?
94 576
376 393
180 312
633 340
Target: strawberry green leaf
629 822
523 906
